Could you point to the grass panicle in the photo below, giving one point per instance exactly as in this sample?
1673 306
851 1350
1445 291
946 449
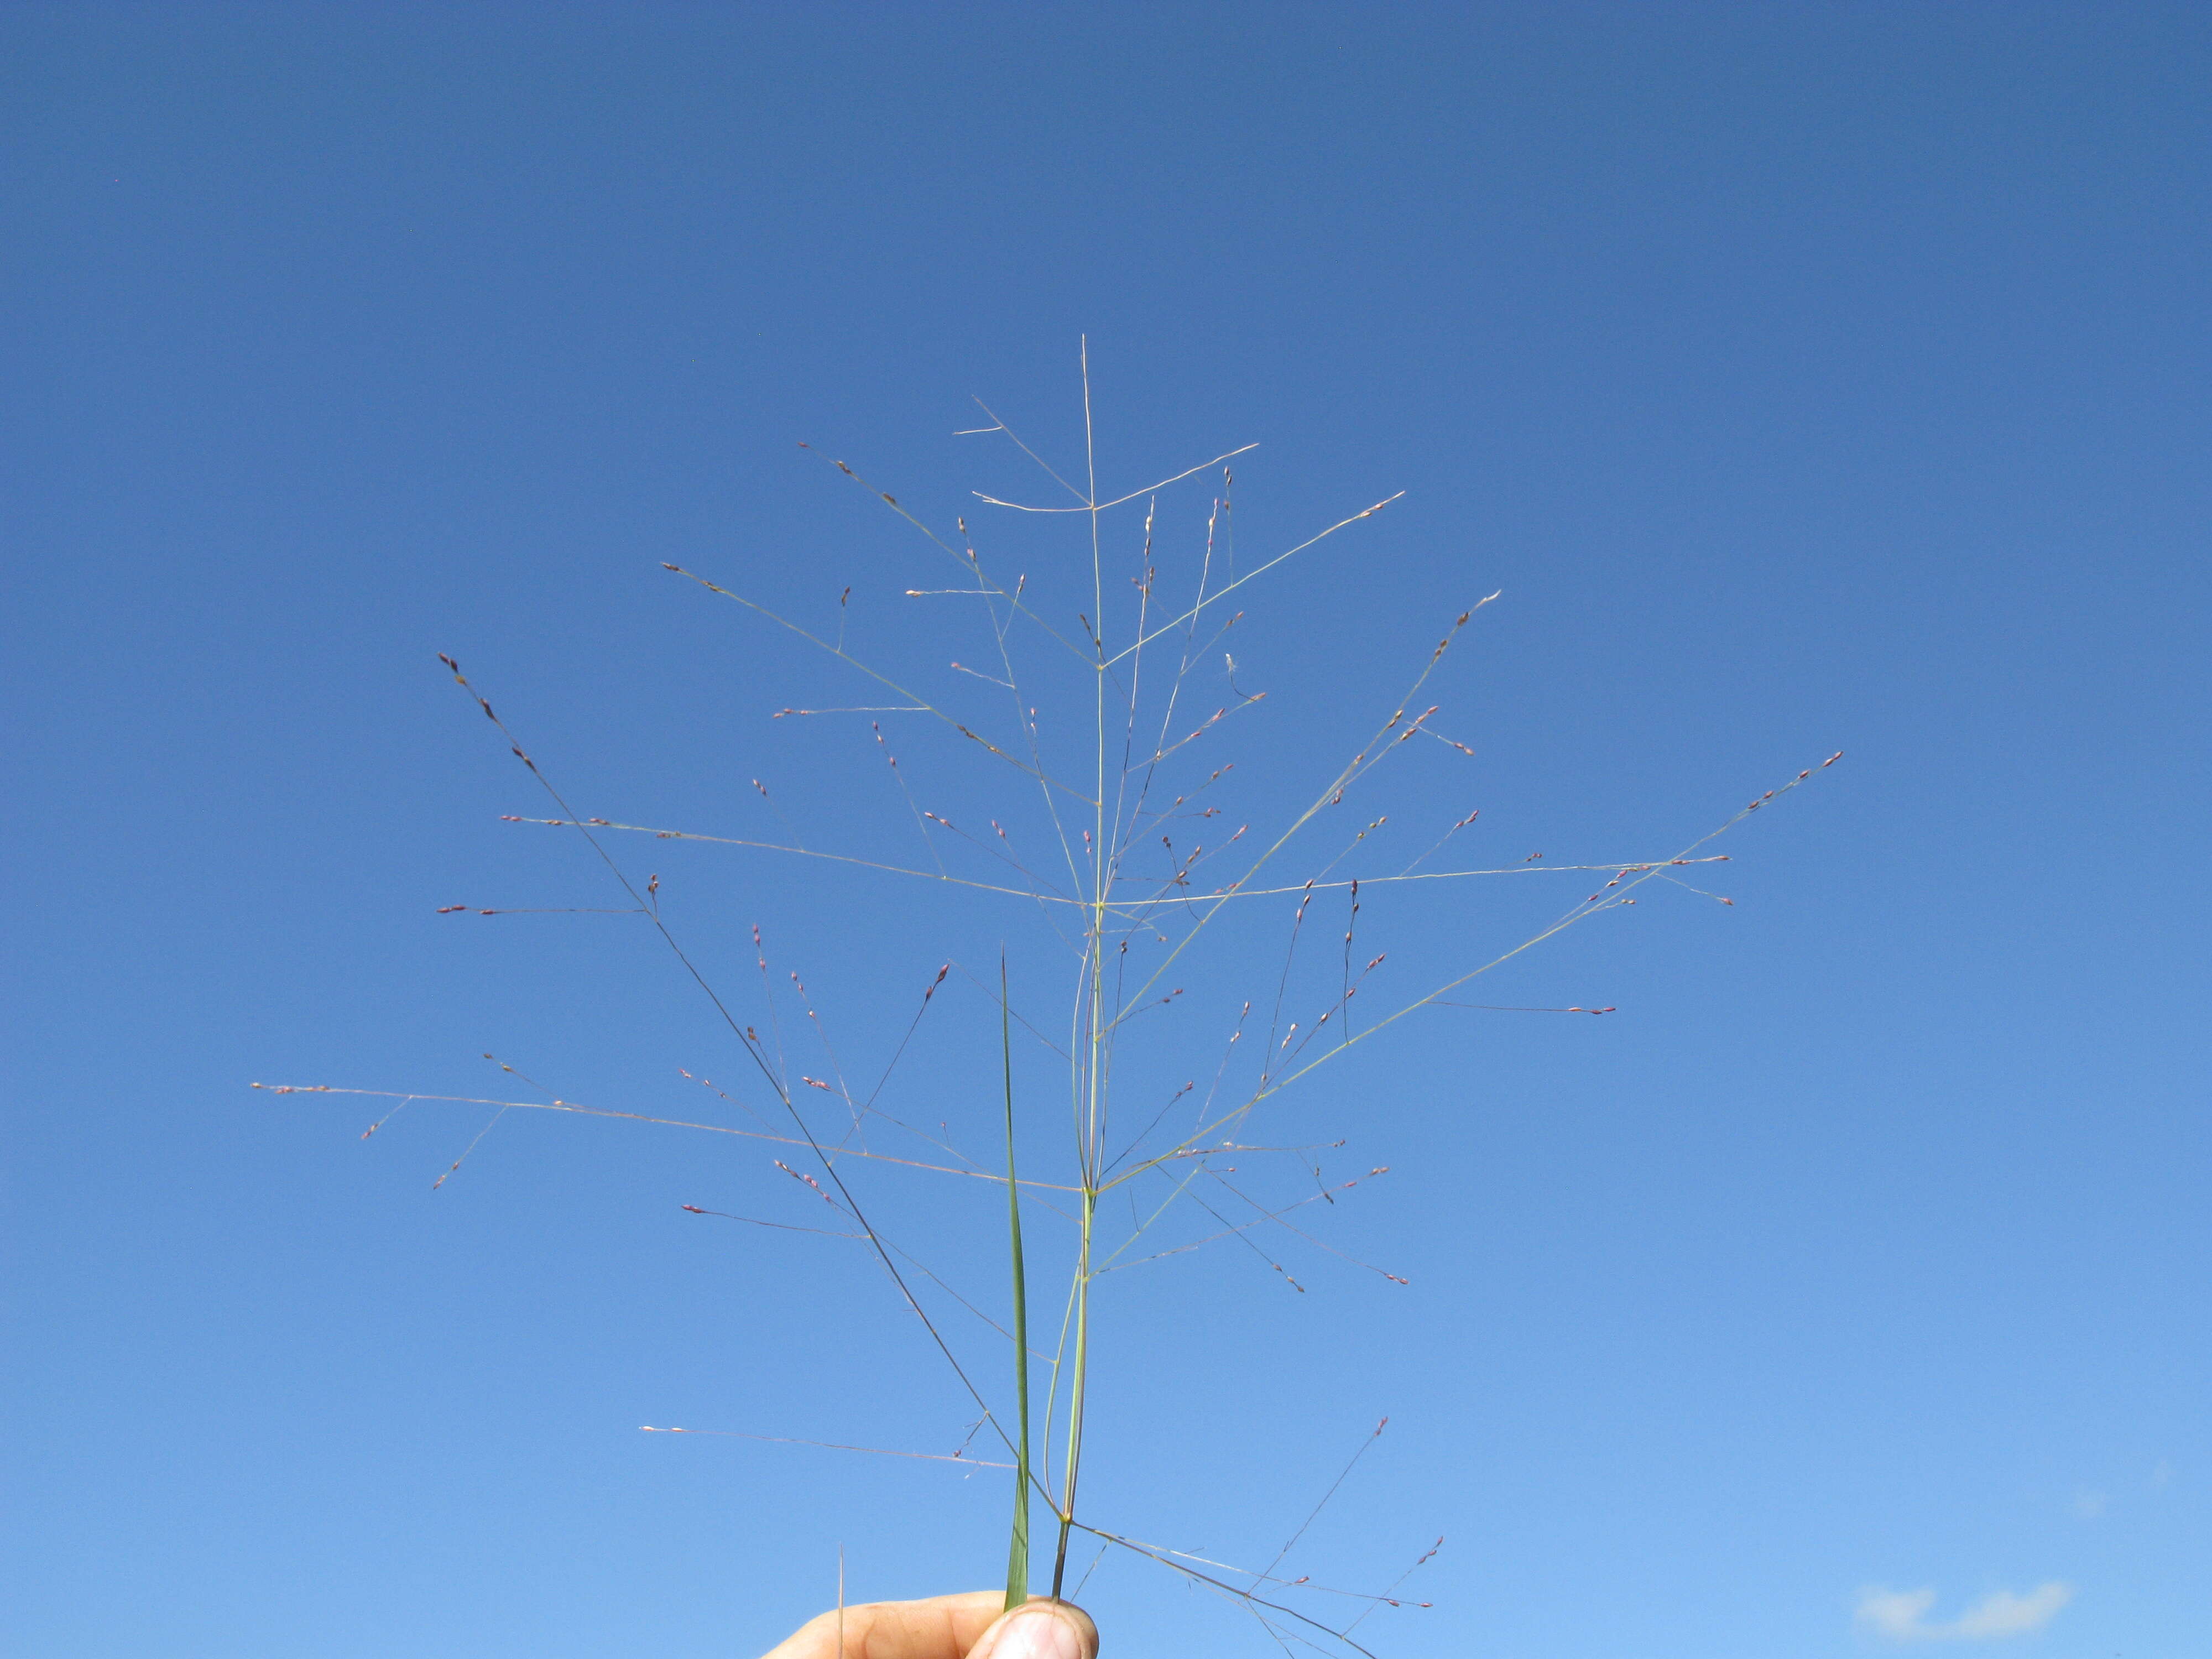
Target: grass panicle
1096 702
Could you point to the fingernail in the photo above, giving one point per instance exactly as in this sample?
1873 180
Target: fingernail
1038 1634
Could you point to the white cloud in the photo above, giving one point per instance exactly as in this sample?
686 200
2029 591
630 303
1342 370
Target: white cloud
2091 1505
2006 1615
1902 1615
1895 1613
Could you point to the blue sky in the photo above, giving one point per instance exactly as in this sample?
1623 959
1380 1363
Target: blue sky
1804 380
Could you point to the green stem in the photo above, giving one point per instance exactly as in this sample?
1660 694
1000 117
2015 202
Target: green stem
1075 1393
1017 1550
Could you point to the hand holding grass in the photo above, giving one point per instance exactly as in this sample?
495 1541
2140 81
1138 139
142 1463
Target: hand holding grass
973 1626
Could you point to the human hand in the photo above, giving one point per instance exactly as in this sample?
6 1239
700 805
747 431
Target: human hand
970 1626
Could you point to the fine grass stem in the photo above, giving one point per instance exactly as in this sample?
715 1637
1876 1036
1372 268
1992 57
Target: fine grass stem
1018 1548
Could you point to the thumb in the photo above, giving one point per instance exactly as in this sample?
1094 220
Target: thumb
1040 1629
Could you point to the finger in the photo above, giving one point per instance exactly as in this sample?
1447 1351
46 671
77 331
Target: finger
941 1628
969 1626
1041 1629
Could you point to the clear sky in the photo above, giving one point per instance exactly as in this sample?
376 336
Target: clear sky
1802 378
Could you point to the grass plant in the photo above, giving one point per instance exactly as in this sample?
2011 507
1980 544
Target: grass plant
1117 775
